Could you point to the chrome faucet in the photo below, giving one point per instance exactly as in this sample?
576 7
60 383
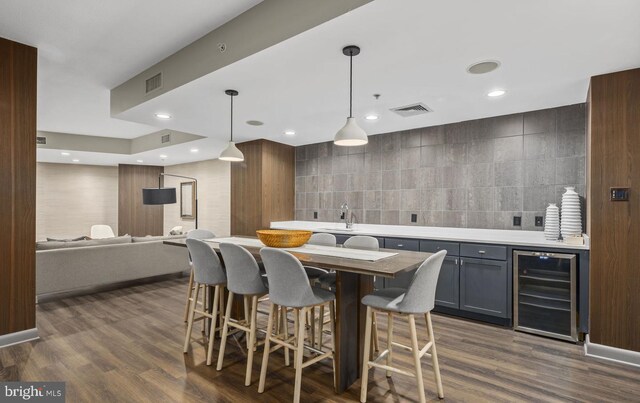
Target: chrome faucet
344 215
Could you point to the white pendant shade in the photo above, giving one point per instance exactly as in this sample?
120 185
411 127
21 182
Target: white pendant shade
351 135
231 153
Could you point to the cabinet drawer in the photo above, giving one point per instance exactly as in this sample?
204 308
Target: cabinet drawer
452 248
401 243
483 251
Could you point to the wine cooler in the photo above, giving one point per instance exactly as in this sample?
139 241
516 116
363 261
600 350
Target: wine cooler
544 297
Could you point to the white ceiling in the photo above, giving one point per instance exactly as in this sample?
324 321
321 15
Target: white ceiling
412 51
85 48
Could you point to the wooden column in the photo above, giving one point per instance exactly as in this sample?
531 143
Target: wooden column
262 186
135 218
614 226
18 83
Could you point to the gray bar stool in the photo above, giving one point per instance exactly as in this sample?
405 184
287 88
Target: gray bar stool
289 287
418 299
362 242
194 234
207 272
314 274
243 278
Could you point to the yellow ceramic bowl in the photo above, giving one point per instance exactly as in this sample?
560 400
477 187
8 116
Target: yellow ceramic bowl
280 238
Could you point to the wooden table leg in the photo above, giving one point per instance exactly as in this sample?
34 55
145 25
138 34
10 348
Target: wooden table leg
350 326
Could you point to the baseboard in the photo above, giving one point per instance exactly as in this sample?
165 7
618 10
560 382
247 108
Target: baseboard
614 354
10 339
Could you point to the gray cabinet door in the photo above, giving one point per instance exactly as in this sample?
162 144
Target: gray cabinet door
402 280
448 289
483 287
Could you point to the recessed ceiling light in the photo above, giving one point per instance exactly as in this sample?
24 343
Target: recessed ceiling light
65 154
496 93
194 150
483 67
75 160
163 116
254 123
139 161
290 132
371 117
163 156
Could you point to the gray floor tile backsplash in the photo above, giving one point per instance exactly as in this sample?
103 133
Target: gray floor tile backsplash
475 174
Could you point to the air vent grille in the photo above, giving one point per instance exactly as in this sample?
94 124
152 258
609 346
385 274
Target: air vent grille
154 83
166 138
412 110
41 140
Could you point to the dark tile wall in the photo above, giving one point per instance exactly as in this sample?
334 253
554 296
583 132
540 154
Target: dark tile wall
475 174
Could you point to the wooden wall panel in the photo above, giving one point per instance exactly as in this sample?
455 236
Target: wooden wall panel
135 218
262 187
278 183
614 227
246 190
18 91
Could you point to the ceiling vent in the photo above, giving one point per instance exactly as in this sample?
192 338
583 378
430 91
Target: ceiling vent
166 138
154 83
412 110
41 140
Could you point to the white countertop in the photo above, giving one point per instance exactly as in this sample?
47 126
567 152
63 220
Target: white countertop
491 236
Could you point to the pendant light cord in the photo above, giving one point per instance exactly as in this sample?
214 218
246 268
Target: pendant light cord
351 84
231 117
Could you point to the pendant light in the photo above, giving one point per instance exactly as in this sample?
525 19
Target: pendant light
351 134
231 153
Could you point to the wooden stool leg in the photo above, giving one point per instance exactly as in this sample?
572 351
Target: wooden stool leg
285 324
189 296
364 380
320 327
295 335
374 330
247 317
214 322
252 339
416 358
332 323
225 331
300 314
389 341
192 313
311 318
434 355
267 347
221 308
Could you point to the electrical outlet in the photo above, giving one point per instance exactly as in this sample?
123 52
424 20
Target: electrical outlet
517 221
315 215
414 218
539 221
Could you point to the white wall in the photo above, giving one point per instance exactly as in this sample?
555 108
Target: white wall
214 196
70 198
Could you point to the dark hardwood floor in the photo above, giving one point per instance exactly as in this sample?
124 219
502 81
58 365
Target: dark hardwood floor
125 346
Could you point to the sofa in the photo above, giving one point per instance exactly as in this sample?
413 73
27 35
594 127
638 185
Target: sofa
64 266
